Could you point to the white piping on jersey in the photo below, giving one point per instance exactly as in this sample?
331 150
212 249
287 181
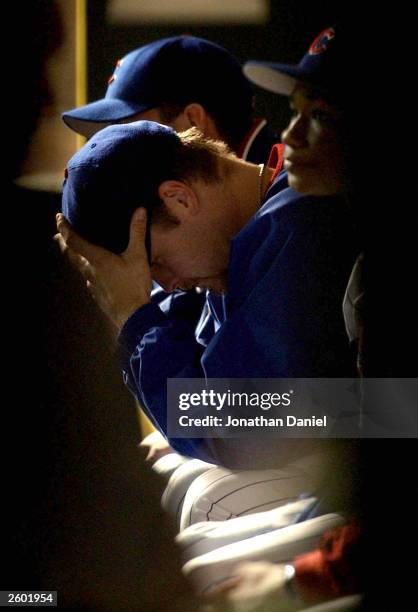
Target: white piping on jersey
253 136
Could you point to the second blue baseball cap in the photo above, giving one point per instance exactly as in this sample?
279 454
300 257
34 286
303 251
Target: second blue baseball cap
323 66
178 70
116 172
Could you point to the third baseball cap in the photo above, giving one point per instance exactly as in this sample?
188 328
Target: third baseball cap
322 66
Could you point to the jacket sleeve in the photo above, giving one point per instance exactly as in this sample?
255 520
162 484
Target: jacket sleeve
158 342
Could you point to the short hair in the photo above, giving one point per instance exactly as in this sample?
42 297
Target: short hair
197 157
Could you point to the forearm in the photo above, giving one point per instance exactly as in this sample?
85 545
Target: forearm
155 346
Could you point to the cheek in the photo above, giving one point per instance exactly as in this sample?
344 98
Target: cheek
179 257
316 180
190 254
332 162
325 141
327 152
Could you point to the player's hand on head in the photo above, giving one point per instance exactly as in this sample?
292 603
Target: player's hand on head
119 283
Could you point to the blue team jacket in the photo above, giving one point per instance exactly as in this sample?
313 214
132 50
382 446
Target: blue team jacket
282 315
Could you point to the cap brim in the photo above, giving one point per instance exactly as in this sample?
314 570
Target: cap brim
278 78
87 120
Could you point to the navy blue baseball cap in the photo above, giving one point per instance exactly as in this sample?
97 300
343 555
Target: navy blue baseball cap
176 70
116 172
323 66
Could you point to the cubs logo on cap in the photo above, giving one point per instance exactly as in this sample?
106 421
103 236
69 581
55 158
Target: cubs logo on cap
320 44
114 75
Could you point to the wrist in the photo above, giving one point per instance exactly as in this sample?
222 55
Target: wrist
123 315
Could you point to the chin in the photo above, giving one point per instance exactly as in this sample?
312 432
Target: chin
312 185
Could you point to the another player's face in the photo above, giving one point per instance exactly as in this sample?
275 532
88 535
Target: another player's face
153 114
313 155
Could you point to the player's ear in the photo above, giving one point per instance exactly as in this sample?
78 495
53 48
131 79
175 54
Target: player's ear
196 116
179 198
